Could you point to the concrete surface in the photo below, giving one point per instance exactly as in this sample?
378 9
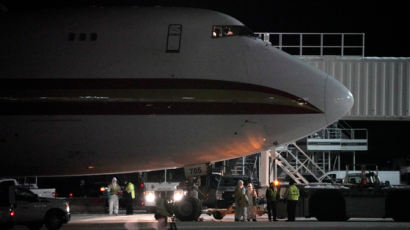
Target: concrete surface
147 221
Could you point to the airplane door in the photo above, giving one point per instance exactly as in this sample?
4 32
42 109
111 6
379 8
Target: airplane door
174 38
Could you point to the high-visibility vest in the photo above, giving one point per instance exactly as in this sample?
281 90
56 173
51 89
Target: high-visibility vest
271 194
130 189
292 193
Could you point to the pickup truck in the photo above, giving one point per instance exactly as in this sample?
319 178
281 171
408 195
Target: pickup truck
33 211
41 192
6 208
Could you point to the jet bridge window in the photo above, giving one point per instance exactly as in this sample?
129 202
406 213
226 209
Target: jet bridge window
174 38
228 31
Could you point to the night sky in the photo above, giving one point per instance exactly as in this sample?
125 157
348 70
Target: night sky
386 24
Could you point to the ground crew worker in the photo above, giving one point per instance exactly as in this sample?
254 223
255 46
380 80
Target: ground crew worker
292 197
113 189
271 198
363 180
251 195
240 202
161 213
129 197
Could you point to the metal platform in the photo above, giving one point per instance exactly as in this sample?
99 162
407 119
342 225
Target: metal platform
336 139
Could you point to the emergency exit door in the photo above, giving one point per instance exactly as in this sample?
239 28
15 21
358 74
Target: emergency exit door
174 38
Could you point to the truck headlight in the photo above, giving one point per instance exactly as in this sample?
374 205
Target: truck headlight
67 207
150 196
178 195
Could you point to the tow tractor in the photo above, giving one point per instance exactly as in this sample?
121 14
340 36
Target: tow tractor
178 188
162 183
359 195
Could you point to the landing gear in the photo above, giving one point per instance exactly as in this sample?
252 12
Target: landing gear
188 209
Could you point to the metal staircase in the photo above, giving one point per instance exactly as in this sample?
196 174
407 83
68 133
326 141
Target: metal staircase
288 168
297 163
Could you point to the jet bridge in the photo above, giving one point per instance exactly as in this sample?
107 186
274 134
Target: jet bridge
380 86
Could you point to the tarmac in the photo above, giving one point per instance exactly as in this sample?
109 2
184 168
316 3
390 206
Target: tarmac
147 222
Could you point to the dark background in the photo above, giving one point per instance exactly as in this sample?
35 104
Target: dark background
386 24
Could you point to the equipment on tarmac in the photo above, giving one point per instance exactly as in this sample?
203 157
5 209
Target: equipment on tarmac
340 202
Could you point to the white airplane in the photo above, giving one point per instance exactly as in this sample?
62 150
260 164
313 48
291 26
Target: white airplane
115 90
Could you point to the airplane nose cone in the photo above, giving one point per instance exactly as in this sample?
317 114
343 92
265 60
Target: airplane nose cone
339 100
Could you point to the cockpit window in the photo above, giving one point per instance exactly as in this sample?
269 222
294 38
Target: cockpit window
227 31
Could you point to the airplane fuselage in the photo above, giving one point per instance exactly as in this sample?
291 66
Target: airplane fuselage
119 90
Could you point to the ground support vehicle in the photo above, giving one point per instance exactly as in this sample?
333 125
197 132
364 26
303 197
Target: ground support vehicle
6 207
216 191
172 186
41 192
6 216
389 177
219 213
34 211
329 202
180 187
188 190
223 195
162 183
339 202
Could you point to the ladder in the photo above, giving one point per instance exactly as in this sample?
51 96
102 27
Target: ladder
288 168
294 171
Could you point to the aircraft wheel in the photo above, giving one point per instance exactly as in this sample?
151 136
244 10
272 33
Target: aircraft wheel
188 209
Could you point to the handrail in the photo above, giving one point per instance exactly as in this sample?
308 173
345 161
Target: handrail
337 133
279 41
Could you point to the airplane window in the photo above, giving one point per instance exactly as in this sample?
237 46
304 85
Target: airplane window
227 31
71 36
83 37
93 37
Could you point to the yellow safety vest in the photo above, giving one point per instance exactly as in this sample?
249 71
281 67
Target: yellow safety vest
292 193
271 194
130 189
